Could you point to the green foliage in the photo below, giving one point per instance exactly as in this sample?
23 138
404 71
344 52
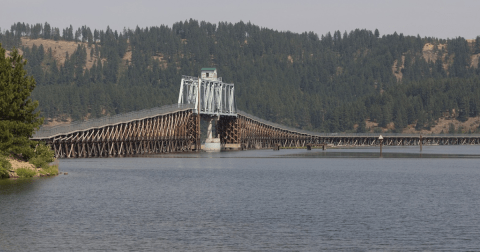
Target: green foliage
4 167
25 172
52 170
43 155
451 128
18 118
361 127
326 83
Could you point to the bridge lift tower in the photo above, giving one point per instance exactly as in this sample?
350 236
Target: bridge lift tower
212 98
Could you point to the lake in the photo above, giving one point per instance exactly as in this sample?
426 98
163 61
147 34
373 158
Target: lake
263 200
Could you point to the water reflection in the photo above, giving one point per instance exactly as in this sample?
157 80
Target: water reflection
458 151
17 186
346 154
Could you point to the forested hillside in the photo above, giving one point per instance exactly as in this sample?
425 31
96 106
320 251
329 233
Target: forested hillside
331 83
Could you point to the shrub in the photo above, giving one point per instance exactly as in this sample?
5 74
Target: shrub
43 155
18 113
451 128
4 167
53 170
25 172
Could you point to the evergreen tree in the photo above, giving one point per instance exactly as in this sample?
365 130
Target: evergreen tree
327 84
463 107
18 118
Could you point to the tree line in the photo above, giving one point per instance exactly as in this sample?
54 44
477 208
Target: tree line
331 83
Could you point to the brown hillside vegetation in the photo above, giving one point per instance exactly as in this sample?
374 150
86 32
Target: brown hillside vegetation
51 122
60 48
475 59
442 124
397 70
7 52
430 53
128 55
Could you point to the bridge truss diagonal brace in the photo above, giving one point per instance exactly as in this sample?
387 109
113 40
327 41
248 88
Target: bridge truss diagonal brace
254 134
211 97
173 132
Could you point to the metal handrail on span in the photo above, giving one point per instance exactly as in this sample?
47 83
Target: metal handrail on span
311 133
47 132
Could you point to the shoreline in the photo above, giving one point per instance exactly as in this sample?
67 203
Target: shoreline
28 170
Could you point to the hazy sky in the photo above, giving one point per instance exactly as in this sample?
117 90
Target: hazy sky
431 18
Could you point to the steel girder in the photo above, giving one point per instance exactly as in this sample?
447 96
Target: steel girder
211 97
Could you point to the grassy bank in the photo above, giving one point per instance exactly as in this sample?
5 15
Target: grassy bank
14 168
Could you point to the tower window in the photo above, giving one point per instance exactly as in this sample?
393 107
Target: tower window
207 75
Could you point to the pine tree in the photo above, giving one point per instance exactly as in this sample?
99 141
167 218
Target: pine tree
18 118
463 107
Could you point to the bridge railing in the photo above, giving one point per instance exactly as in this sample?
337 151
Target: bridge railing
311 133
46 132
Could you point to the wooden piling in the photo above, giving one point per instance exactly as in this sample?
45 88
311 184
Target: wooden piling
420 143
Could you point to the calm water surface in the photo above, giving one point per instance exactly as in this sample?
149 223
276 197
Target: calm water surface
289 200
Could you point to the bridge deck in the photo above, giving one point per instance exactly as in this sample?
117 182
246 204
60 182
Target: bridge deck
176 128
351 135
253 132
50 132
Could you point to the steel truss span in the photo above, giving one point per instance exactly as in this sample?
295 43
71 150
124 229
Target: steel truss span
215 98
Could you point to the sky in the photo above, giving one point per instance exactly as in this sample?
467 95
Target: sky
427 18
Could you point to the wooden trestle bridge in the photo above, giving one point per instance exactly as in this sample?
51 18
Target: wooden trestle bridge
176 128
